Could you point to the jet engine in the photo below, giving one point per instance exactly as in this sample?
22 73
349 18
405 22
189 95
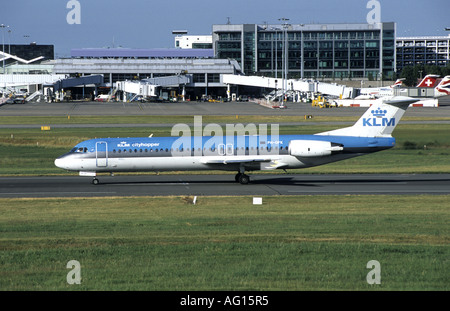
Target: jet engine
313 148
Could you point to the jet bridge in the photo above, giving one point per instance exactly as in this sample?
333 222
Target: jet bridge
151 86
61 84
136 88
290 85
169 80
73 82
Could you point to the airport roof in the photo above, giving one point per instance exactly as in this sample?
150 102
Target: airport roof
142 53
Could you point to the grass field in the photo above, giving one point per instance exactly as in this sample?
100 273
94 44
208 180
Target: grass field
226 243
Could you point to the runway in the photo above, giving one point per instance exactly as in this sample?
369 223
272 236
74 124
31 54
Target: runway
224 185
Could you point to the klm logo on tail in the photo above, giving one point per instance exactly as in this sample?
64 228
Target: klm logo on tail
379 119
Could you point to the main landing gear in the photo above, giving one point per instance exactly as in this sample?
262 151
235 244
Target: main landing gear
242 178
95 181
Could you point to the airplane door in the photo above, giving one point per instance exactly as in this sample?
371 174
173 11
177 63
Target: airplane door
225 149
101 154
221 149
230 150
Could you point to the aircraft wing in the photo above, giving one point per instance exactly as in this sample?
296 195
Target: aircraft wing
266 163
234 161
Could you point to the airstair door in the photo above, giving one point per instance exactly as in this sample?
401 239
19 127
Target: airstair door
101 154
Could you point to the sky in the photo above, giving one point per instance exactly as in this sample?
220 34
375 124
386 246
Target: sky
149 23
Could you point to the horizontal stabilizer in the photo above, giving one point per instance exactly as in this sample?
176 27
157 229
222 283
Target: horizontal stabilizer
379 120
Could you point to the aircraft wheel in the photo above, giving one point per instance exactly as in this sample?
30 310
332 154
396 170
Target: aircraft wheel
244 179
236 178
95 181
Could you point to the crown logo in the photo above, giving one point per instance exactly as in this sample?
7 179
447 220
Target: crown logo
379 113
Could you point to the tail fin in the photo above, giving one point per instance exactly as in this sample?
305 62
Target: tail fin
379 120
443 89
398 83
428 81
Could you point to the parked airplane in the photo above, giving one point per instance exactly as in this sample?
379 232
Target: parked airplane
428 81
443 88
372 93
371 133
375 92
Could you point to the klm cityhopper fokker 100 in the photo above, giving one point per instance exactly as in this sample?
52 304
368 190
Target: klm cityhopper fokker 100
371 133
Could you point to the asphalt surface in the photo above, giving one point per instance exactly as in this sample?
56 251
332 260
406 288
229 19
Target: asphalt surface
198 108
224 185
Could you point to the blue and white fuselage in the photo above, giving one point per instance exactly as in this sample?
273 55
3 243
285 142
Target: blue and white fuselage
370 134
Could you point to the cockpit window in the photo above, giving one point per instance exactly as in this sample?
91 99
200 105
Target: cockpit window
79 149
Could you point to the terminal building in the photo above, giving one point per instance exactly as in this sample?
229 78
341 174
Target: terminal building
309 51
185 41
433 51
199 65
22 53
336 51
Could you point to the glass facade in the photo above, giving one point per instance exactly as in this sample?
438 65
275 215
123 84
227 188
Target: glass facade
431 51
335 51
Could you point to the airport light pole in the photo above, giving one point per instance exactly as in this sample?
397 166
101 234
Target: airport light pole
276 52
302 68
285 51
3 26
9 41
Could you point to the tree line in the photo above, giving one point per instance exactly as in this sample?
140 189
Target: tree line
412 74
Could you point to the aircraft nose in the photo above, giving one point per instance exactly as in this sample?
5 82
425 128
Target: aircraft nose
61 163
58 163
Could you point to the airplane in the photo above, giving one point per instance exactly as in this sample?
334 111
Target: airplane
428 81
375 92
240 153
443 88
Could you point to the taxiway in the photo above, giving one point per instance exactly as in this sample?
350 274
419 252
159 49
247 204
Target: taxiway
224 185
